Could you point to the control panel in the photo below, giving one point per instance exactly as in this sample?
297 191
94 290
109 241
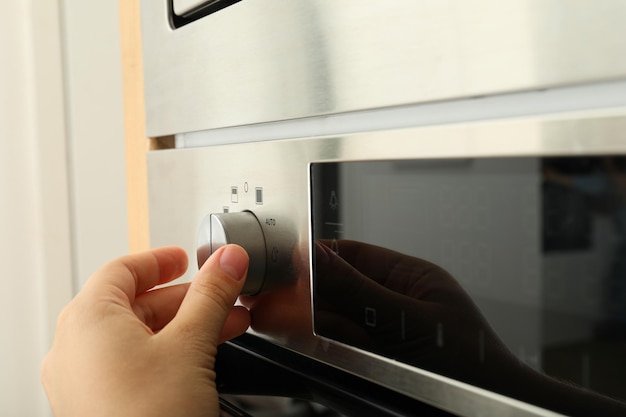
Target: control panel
268 238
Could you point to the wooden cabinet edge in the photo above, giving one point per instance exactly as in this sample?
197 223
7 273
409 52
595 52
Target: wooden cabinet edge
136 143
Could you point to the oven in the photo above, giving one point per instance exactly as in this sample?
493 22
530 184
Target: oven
432 195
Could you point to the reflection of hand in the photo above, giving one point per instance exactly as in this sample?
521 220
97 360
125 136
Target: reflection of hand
121 349
286 311
423 316
444 331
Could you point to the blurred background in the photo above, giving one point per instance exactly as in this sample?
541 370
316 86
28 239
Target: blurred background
63 202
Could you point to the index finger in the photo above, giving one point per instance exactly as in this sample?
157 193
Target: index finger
137 273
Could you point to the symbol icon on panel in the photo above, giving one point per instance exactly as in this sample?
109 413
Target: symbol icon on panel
370 317
439 335
234 194
259 195
333 200
334 246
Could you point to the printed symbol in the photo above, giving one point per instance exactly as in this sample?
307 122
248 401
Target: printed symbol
370 317
334 246
245 186
439 335
225 209
333 200
274 254
259 195
234 194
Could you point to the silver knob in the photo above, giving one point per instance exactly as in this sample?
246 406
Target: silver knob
241 228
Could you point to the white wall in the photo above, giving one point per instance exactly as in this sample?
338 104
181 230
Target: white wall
95 132
52 186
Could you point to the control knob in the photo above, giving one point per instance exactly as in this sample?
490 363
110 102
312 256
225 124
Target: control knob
244 229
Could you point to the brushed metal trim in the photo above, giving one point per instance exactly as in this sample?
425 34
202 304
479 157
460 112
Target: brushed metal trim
187 184
260 61
603 97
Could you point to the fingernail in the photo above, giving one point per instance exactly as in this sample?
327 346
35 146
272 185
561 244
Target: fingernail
234 261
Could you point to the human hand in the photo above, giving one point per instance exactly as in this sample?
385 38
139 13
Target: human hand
122 349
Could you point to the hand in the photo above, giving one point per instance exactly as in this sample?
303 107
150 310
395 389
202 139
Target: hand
122 349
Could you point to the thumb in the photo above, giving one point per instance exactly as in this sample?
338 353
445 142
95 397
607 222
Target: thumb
211 295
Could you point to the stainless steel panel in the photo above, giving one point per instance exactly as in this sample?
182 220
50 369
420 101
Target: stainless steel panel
259 61
186 185
589 97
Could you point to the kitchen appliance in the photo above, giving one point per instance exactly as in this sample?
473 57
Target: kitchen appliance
432 195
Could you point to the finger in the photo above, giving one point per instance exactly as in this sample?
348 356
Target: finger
157 308
137 273
211 296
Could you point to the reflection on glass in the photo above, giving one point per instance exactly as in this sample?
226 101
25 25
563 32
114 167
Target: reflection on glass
508 274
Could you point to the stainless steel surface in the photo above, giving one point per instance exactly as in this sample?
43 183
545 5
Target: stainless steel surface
187 184
601 96
260 61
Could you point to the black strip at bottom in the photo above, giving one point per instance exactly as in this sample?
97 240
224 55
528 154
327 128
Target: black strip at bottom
249 365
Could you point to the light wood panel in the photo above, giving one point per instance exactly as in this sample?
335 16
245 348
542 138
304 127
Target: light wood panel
137 144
